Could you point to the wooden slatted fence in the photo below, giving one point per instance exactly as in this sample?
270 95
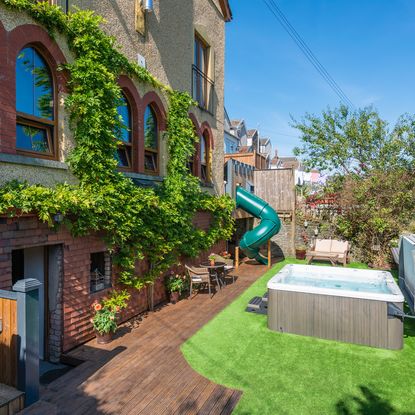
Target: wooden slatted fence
8 341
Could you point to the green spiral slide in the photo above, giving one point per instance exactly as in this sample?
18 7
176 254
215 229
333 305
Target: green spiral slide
269 226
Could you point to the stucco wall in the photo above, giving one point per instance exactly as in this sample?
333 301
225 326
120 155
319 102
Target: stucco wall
168 49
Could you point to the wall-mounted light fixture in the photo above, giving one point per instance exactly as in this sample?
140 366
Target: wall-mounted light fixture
147 6
142 9
316 232
305 224
58 217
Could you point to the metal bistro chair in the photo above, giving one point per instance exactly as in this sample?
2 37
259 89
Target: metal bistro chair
198 276
228 268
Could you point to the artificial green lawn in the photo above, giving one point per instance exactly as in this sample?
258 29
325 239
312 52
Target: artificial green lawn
281 373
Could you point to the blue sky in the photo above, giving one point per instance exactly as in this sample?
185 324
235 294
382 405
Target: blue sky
368 47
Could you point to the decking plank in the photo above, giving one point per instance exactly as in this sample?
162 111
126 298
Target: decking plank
143 371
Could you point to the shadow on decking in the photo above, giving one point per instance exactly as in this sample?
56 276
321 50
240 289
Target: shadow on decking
79 402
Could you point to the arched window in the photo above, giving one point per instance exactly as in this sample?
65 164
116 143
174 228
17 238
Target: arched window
191 162
35 104
124 135
151 139
204 158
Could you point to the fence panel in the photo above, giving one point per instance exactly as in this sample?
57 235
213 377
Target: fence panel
8 341
277 188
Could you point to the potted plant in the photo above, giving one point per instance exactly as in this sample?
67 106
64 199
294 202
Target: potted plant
226 255
301 249
105 311
212 259
175 284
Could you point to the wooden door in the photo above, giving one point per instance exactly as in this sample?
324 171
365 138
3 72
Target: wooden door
8 342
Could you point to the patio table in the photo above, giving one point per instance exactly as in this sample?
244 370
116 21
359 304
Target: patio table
215 271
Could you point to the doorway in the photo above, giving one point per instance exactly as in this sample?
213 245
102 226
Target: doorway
45 264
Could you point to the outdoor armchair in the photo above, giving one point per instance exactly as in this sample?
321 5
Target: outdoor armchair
198 276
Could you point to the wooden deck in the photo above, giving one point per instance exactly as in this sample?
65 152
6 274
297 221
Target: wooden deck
143 371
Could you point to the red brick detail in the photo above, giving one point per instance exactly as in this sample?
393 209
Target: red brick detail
26 232
151 98
36 36
196 157
137 115
10 45
195 123
206 131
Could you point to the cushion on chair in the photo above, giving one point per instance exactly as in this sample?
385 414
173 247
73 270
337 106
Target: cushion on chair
323 245
339 246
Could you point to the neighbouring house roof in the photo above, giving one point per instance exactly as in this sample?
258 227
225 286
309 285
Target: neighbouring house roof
226 10
244 149
287 162
251 133
235 123
264 141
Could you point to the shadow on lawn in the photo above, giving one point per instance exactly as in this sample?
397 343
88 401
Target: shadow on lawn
369 403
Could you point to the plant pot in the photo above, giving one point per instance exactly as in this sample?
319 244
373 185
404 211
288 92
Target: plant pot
103 338
174 297
300 253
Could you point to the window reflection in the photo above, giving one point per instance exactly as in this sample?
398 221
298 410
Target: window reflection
32 138
34 103
124 134
34 91
204 159
150 140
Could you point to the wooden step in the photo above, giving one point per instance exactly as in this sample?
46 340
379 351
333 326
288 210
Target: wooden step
11 400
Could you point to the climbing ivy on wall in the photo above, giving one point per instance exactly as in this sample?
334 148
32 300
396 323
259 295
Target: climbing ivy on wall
138 223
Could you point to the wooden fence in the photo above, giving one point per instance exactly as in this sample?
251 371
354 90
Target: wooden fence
8 341
277 188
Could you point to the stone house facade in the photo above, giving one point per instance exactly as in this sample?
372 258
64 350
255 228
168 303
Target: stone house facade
34 147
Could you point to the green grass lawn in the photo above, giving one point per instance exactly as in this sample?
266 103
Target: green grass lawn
289 374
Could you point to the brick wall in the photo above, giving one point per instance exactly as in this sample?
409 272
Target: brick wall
73 310
281 243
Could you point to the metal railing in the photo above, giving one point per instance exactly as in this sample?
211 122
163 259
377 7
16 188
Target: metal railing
203 90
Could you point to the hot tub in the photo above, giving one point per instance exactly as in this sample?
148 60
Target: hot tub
345 304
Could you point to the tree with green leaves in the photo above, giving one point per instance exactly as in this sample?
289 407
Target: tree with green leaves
354 142
371 167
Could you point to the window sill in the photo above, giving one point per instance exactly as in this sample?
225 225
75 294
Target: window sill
206 110
144 180
32 161
101 291
143 176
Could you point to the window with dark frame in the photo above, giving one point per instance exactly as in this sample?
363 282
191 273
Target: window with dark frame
204 159
124 135
100 271
192 160
151 140
35 105
201 84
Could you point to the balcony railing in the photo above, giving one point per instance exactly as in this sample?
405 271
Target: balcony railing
203 90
